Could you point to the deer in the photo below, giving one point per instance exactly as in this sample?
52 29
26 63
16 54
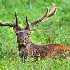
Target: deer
27 48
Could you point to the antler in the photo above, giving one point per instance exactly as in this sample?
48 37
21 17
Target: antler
43 19
16 18
46 16
27 21
15 25
6 24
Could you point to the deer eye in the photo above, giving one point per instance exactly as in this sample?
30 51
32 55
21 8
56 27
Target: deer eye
16 33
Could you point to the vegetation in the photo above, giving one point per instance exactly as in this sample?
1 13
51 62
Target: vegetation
56 29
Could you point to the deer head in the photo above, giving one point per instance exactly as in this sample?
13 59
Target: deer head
23 34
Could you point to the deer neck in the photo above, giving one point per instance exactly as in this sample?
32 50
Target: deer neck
30 43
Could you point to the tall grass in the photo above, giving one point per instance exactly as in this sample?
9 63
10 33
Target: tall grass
56 29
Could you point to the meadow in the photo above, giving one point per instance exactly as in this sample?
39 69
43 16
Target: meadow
54 30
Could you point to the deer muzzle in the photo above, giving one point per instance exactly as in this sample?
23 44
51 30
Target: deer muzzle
22 41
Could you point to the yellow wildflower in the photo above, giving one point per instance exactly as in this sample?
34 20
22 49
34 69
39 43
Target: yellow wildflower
20 25
10 58
34 36
57 20
39 31
55 0
11 29
16 37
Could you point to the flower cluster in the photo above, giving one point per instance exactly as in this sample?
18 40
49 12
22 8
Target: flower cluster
39 31
20 25
57 20
11 29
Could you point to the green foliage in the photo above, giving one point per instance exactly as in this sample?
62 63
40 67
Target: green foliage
56 29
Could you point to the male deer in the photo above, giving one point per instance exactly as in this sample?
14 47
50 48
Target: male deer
28 48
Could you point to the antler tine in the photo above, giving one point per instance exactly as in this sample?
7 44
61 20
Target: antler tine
15 25
27 21
46 16
6 24
16 18
10 24
53 10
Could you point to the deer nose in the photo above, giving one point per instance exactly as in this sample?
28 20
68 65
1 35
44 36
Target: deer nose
22 39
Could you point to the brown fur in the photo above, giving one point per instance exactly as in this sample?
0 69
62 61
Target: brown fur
45 51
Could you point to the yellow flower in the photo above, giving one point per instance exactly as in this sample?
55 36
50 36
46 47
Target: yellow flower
34 36
11 29
20 25
10 58
16 37
55 0
57 20
39 31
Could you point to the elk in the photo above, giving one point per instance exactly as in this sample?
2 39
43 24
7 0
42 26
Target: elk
29 49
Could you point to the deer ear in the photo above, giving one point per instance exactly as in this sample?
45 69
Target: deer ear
33 30
15 29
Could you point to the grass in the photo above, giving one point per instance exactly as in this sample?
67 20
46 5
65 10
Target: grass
56 29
